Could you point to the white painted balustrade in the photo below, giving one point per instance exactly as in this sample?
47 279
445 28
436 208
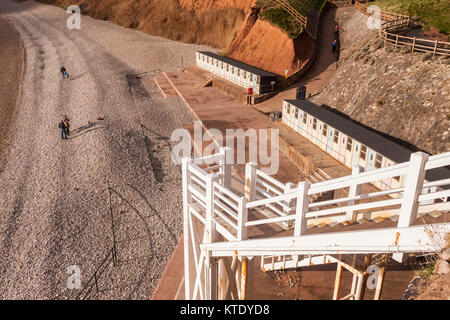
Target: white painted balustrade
217 220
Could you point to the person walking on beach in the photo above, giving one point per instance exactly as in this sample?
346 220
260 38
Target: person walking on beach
66 121
64 73
62 128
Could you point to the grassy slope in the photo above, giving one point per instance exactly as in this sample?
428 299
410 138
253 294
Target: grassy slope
284 20
434 13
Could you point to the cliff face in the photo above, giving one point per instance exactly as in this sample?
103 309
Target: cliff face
209 22
202 5
267 47
230 26
405 95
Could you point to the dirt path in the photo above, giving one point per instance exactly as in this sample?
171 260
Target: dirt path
53 193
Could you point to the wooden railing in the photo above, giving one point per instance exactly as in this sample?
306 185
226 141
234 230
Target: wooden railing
394 23
292 11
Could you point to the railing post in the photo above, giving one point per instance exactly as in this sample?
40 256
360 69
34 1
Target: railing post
189 267
396 41
301 208
413 44
242 219
415 177
250 180
354 191
211 235
287 189
435 47
226 169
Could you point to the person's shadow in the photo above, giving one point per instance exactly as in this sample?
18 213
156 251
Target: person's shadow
77 77
91 126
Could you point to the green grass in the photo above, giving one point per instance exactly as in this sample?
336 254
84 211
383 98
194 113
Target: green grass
434 13
276 15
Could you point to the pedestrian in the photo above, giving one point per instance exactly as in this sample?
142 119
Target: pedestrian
66 121
336 29
62 128
64 73
333 45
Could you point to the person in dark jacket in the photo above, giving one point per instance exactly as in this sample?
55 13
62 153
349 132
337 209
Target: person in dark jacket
333 45
64 73
66 121
62 128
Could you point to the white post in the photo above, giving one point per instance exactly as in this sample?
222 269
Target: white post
301 209
242 219
189 267
250 180
210 227
354 191
211 236
413 188
226 169
415 177
287 211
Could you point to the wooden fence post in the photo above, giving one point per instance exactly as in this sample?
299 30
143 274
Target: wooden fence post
413 44
396 41
354 191
435 47
301 209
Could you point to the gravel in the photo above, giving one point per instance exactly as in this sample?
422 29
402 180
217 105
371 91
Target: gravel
54 198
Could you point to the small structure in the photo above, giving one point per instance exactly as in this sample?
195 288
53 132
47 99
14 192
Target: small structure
351 143
239 73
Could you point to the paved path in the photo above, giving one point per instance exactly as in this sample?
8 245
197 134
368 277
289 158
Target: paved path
54 203
321 71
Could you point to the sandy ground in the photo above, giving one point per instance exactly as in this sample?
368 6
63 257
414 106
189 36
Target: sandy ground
54 200
11 64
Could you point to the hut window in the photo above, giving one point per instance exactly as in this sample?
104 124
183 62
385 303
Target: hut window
251 77
232 69
336 136
207 59
217 63
378 161
305 120
324 130
245 74
288 109
349 144
221 65
314 124
258 81
362 155
296 113
228 68
397 178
